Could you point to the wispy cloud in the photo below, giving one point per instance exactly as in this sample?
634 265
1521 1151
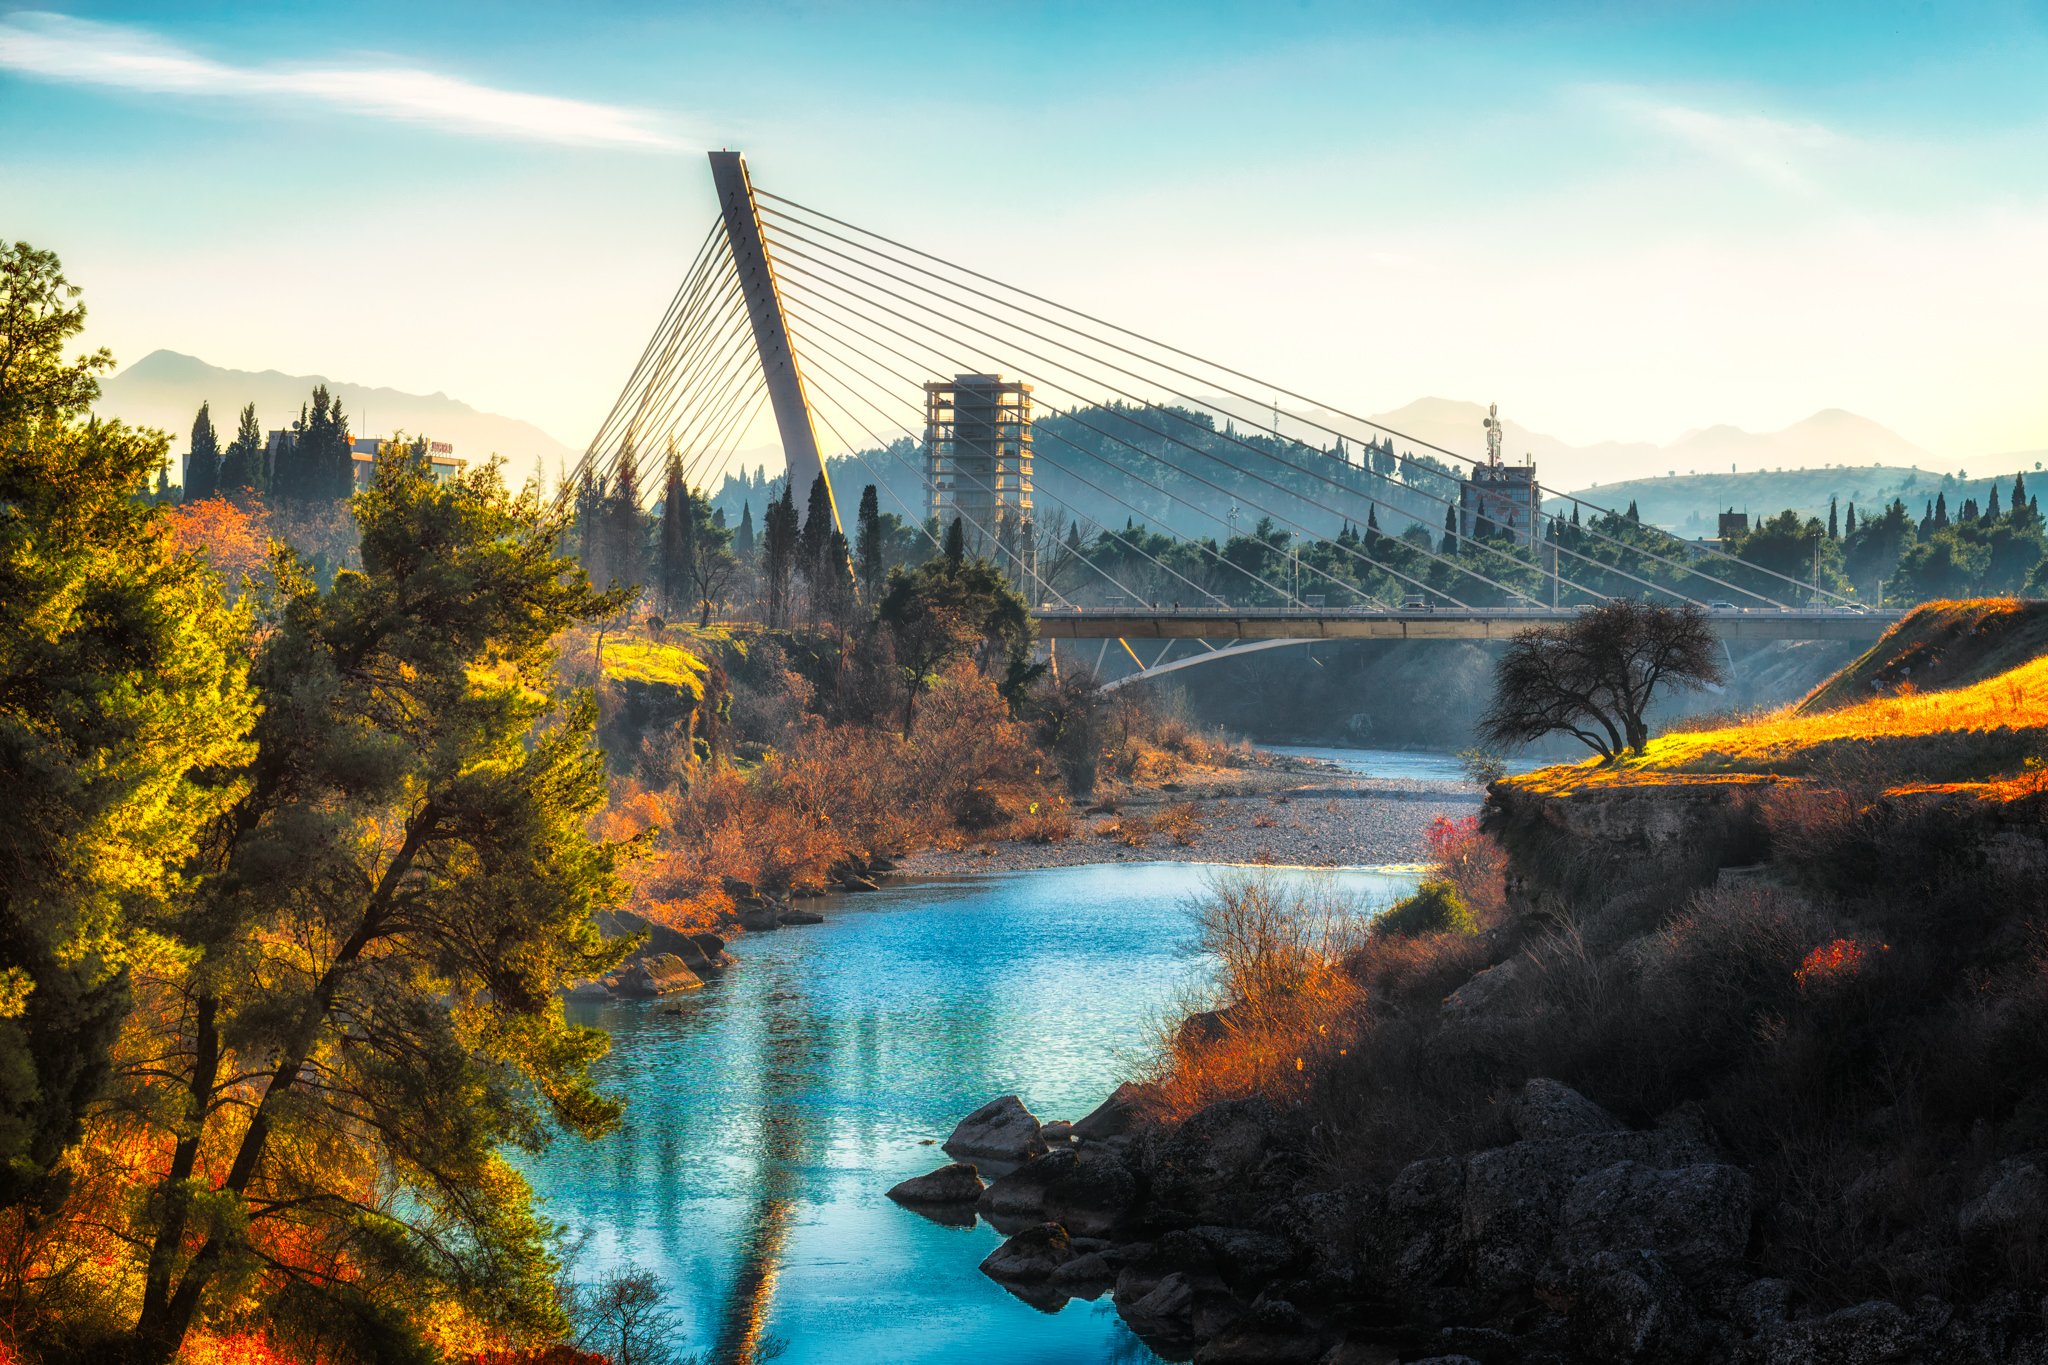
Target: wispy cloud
1776 151
76 51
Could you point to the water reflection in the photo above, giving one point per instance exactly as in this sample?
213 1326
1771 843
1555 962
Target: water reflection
769 1111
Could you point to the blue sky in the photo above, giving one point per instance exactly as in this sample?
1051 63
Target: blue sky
1621 221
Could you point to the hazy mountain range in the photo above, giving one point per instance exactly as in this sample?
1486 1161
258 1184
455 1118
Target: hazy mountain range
164 389
1862 459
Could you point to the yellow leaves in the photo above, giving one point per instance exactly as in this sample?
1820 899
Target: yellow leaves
648 661
15 988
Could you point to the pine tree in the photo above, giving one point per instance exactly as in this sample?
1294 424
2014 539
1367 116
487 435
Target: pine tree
202 458
956 542
868 544
242 466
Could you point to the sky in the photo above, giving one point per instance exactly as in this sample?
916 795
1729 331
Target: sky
1620 221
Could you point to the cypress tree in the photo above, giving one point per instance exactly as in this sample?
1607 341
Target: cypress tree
743 539
1849 523
2019 494
1940 510
1450 540
868 543
1834 527
780 534
956 542
242 466
624 534
676 570
1635 517
202 458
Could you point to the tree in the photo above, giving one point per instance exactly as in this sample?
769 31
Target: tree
867 547
779 536
316 465
1595 677
946 610
743 539
955 549
675 573
1834 524
242 466
1450 541
39 314
124 705
368 1012
202 458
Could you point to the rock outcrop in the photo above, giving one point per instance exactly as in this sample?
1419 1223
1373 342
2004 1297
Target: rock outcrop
1001 1130
958 1183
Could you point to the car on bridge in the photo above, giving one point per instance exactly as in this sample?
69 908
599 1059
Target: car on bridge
1415 601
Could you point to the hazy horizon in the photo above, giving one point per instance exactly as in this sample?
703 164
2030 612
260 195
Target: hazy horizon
1622 227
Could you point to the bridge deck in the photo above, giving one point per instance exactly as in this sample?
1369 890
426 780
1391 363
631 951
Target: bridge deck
1458 624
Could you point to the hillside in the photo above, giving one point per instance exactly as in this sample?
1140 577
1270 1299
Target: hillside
164 389
1977 713
1687 503
1942 645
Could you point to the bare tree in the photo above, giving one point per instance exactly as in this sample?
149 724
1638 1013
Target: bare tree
1594 678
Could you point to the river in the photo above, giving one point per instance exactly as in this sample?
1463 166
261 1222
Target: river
768 1112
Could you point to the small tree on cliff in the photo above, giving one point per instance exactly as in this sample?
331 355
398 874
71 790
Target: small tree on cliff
1594 678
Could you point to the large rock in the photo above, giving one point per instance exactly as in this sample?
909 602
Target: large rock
588 990
1087 1191
1224 1162
1094 1197
1115 1116
1484 990
1548 1109
1244 1257
1033 1254
1627 1307
1866 1334
2010 1208
1166 1310
958 1183
1695 1217
658 974
1001 1130
1514 1196
1270 1332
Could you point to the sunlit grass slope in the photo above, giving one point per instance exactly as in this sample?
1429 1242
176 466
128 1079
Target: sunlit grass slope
1940 645
1987 736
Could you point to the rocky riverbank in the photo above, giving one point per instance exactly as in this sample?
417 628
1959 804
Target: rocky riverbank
1297 813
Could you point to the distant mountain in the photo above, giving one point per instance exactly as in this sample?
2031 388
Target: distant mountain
164 389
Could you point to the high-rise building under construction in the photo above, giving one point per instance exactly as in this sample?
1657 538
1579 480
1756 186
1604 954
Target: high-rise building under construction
977 455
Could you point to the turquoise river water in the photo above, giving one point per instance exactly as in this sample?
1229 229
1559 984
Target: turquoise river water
769 1111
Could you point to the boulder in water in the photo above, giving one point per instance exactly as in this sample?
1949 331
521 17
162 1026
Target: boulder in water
958 1183
1033 1254
1001 1130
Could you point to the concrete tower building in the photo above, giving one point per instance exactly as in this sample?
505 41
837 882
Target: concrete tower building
977 455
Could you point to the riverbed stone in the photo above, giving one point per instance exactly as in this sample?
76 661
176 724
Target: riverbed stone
658 974
587 990
1033 1254
1695 1217
1270 1332
1115 1116
1550 1109
799 917
1167 1309
1001 1130
957 1183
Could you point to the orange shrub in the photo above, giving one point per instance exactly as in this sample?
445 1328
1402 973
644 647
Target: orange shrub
234 536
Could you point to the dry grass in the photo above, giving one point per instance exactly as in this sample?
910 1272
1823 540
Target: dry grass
1284 1004
1985 730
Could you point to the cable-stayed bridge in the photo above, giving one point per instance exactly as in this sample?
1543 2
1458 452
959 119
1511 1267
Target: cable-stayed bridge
1134 490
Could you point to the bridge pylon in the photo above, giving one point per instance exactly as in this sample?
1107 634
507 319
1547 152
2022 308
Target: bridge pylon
763 296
